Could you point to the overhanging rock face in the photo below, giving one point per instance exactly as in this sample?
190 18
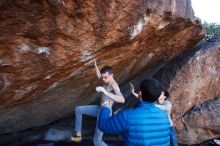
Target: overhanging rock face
47 48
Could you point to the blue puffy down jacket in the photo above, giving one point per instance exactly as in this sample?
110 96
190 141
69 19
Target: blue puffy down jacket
145 125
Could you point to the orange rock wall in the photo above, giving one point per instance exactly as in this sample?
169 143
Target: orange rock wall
47 48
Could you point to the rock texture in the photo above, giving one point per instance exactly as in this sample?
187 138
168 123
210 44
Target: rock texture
202 121
47 48
192 79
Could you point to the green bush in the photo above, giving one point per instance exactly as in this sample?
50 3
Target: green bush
212 29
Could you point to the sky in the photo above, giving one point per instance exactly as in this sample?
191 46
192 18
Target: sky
207 10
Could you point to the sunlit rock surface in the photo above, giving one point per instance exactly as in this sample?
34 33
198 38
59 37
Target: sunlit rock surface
47 48
193 79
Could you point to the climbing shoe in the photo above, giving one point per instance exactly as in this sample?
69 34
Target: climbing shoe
76 138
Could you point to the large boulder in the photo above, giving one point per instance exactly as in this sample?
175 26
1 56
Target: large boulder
194 79
47 48
202 122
